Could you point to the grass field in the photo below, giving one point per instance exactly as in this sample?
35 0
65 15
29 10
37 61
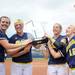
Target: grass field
39 66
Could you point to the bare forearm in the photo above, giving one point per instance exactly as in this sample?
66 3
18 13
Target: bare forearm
14 51
54 53
20 53
8 45
12 46
24 51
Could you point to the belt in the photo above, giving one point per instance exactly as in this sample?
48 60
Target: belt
72 68
57 64
23 62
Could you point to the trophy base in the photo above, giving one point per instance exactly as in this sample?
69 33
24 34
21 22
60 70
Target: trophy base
40 41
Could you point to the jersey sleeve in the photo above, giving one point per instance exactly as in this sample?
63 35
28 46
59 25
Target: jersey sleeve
11 39
2 36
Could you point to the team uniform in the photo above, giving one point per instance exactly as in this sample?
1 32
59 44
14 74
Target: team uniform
21 64
70 55
3 36
57 66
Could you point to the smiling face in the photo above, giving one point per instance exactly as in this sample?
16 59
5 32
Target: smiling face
19 26
57 29
4 23
70 30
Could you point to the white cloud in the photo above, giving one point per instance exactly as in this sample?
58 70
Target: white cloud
40 11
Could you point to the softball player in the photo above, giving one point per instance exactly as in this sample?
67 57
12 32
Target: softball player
57 63
2 49
70 50
22 62
4 44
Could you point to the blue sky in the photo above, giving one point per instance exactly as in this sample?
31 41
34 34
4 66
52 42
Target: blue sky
43 13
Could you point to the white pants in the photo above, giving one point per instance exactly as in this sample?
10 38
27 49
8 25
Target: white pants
21 69
57 70
2 69
72 72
